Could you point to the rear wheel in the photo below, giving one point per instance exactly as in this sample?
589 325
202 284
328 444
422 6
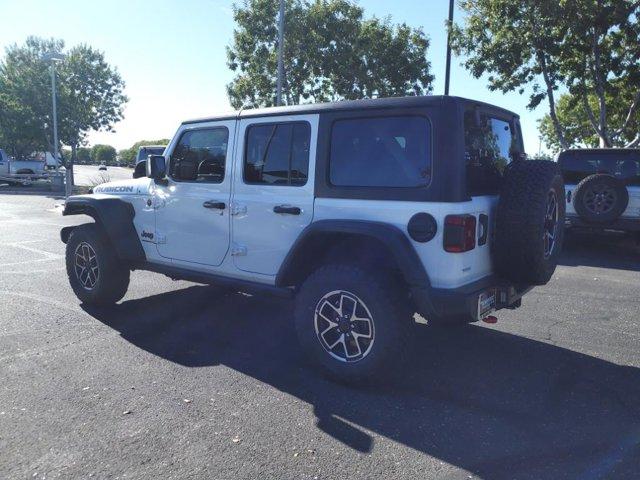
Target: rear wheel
95 273
352 323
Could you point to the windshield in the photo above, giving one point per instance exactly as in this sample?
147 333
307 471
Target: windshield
623 164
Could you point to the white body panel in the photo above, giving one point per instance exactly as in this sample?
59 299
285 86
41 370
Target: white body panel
263 238
446 270
632 210
138 192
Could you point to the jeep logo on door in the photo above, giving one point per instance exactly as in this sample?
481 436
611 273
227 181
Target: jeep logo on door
146 234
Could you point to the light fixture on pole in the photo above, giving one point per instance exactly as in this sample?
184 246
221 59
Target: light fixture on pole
54 57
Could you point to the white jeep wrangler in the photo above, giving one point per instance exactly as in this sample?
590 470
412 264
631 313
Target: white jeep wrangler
365 211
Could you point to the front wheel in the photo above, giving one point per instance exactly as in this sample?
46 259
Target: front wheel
95 273
352 323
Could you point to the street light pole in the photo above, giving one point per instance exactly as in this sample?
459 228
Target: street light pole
53 57
280 54
448 67
52 68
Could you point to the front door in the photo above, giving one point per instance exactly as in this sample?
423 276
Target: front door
273 189
192 210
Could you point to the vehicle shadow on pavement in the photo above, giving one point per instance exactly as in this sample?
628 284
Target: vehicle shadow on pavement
496 404
603 250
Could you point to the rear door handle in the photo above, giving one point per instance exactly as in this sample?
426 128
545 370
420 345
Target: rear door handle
286 209
217 205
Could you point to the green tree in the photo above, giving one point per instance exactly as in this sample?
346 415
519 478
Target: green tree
83 155
578 130
128 155
587 47
103 154
331 52
90 94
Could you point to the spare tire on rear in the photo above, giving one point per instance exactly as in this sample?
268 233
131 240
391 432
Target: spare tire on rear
600 198
530 222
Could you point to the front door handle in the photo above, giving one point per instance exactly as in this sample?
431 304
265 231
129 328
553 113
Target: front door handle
287 209
217 205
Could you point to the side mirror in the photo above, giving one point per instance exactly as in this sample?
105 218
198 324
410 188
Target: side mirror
156 167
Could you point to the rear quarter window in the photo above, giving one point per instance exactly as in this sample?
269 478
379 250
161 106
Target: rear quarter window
391 151
490 144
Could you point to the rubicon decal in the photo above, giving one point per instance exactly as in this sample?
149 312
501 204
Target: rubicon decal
107 189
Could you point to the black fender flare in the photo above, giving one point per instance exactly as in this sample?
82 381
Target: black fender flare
390 236
115 217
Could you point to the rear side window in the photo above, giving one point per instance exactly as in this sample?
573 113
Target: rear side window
381 152
489 147
623 164
277 154
200 155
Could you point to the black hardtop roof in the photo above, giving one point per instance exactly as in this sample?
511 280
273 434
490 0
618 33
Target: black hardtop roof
370 103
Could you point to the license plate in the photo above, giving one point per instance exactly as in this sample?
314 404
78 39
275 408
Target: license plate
486 303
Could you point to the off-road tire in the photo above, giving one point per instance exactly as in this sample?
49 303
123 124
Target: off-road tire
389 312
112 279
600 181
520 244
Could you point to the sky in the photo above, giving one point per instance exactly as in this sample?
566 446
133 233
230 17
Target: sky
172 56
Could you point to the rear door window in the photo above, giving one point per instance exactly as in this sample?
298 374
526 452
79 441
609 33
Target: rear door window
381 152
277 154
490 144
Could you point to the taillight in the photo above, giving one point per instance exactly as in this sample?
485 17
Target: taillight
459 233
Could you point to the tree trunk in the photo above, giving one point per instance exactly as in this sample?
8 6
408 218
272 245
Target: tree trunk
633 143
552 103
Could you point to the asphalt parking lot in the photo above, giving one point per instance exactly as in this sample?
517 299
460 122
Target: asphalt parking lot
186 381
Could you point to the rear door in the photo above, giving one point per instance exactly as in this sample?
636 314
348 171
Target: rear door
273 189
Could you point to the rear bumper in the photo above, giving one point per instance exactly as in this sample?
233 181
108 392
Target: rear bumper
622 224
454 303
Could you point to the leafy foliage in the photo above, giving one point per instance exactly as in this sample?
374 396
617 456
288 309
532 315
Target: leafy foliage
90 95
330 53
103 154
578 131
590 48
